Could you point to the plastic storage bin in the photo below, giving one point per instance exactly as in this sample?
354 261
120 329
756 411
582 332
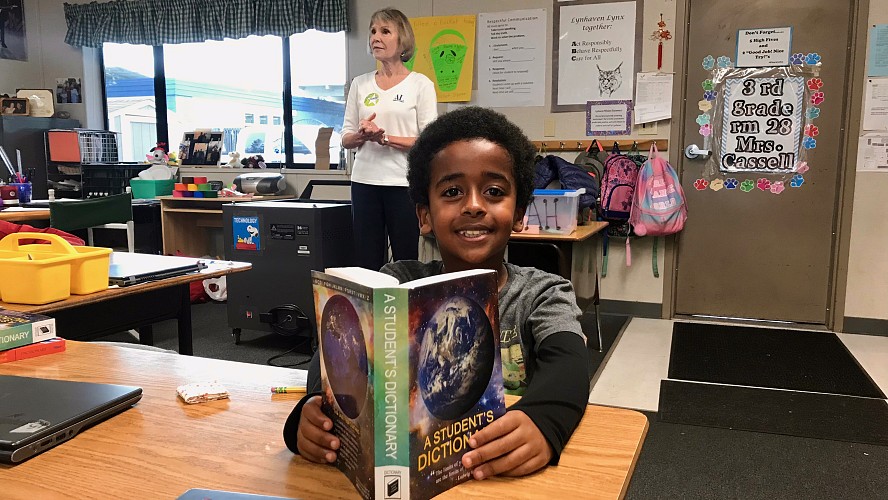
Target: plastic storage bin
555 211
148 188
36 280
89 266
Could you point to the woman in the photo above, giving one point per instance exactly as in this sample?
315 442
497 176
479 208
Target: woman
385 111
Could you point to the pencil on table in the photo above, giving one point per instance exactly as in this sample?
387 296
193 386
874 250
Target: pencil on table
288 389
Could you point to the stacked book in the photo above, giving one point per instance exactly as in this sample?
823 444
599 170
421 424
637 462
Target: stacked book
26 335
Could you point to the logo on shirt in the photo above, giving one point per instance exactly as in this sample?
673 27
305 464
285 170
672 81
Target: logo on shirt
399 98
371 99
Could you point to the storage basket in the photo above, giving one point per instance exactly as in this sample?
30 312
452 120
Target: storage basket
554 210
149 188
89 266
37 279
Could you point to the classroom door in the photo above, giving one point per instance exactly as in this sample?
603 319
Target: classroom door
757 254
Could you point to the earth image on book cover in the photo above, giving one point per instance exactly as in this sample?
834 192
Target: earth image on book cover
457 385
344 346
455 358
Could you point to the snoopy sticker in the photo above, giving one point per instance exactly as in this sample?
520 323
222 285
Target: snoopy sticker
246 233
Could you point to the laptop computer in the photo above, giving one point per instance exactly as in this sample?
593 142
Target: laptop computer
37 414
133 268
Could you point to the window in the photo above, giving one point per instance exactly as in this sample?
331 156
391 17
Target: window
318 87
204 92
129 90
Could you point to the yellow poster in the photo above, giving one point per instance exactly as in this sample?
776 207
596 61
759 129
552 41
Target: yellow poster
445 52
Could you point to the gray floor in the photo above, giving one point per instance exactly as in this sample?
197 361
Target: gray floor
677 461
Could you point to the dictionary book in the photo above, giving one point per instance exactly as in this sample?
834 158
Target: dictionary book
408 372
19 328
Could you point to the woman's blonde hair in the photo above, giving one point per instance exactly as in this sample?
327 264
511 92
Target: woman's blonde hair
406 40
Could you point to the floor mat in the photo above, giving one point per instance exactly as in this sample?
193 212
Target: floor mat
763 357
805 414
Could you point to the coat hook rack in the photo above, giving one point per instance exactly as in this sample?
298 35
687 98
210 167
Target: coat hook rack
582 145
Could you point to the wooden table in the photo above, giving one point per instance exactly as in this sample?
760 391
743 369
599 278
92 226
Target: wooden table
19 215
162 447
137 306
189 224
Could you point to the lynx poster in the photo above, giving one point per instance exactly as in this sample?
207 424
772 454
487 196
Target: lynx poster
596 52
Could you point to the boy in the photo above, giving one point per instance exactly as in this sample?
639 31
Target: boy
470 176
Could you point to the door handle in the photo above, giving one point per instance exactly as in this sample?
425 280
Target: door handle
692 152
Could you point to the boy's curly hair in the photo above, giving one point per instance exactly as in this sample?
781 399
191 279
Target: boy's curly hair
467 124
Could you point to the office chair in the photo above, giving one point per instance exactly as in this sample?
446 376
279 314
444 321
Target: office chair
109 212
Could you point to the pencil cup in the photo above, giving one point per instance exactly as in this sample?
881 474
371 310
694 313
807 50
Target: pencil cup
24 191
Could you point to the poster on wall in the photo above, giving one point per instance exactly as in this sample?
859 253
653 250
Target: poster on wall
445 52
609 117
595 57
761 124
512 58
13 42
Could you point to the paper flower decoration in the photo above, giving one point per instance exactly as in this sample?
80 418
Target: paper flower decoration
706 130
812 113
704 105
809 143
815 84
709 95
796 181
707 84
716 184
777 187
724 62
817 98
731 183
700 184
802 167
709 62
812 58
702 119
797 59
747 185
763 184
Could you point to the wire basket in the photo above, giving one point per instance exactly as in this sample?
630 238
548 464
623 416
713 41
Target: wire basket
98 146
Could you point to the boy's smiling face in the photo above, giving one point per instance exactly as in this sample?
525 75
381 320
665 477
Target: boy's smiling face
472 204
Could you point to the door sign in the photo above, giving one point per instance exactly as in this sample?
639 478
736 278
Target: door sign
759 123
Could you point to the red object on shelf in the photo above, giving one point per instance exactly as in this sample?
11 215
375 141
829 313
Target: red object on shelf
63 145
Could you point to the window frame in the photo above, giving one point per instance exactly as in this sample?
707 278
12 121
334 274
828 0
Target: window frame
161 102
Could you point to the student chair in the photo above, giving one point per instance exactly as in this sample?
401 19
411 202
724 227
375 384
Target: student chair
109 212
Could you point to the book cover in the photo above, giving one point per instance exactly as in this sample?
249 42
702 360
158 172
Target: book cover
53 345
19 328
409 372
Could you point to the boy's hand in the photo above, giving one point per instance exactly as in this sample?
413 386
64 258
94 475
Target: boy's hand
313 436
511 446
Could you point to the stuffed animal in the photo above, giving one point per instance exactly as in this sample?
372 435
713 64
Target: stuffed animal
158 155
256 161
234 160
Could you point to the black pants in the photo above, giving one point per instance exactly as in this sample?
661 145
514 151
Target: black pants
381 210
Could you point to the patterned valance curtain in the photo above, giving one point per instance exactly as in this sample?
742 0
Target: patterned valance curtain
158 22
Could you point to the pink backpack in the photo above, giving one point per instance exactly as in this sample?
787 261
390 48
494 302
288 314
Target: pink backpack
658 204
